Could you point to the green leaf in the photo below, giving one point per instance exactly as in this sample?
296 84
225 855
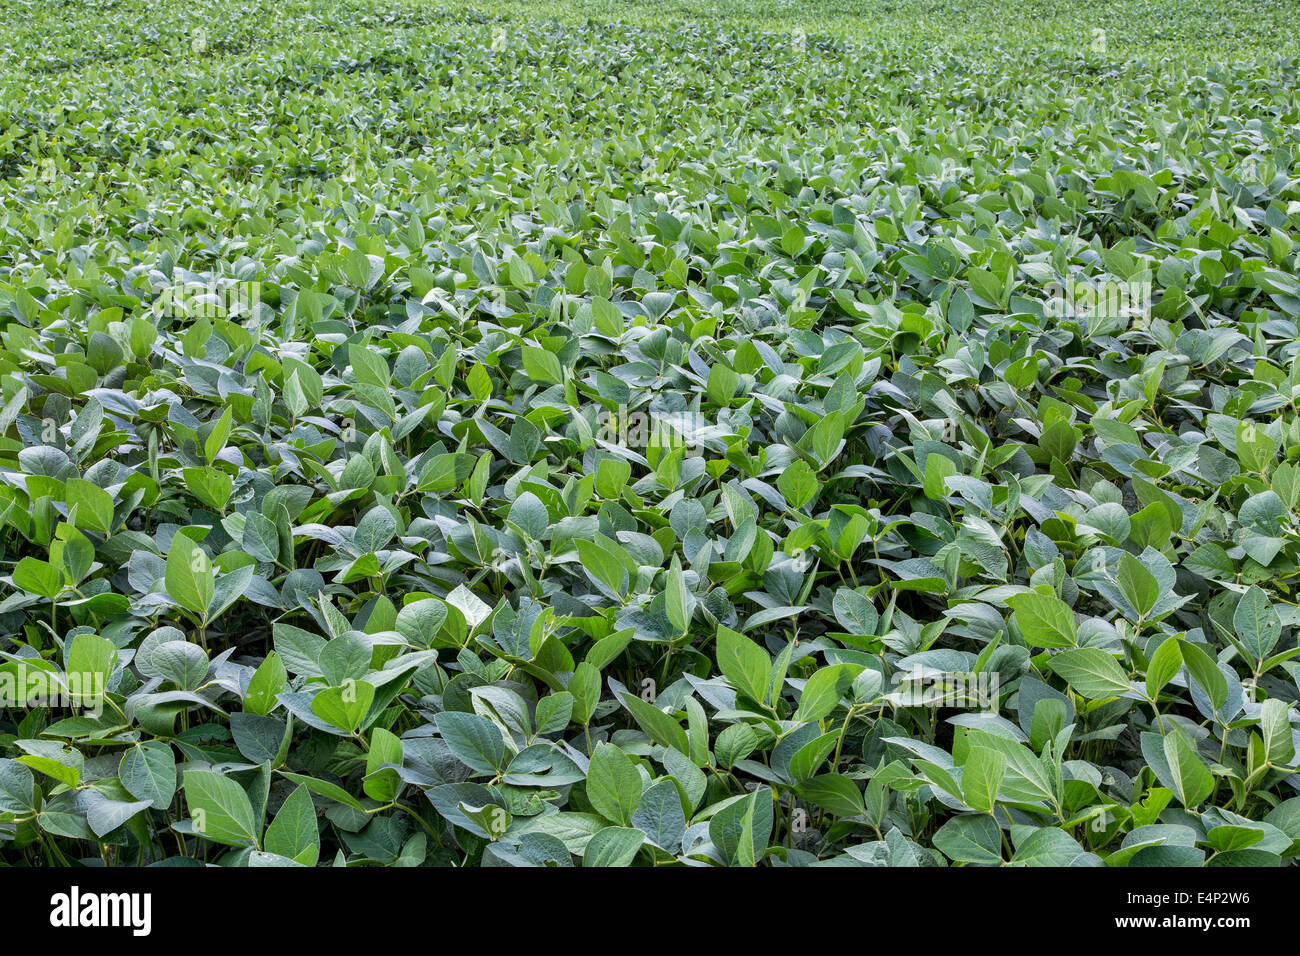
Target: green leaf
475 741
1256 623
91 662
1044 620
809 758
38 577
326 789
554 711
823 439
105 814
981 778
660 815
542 366
1275 729
1137 584
606 650
344 706
421 621
265 685
1047 846
261 538
210 485
797 484
17 788
611 477
1091 672
613 846
970 839
1190 779
855 612
613 784
190 579
148 771
382 783
825 689
375 529
585 688
677 600
94 505
721 384
219 808
216 439
294 833
1205 671
937 468
746 665
1164 665
752 845
1149 528
835 793
662 728
605 562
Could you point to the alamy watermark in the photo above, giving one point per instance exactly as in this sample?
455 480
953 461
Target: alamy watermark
922 687
669 430
1107 299
24 686
208 298
75 909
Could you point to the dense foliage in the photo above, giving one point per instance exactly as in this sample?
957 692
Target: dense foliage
633 433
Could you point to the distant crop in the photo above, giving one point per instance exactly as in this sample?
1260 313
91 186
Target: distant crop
613 434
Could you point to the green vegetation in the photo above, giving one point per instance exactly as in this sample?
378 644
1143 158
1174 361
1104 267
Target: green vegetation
648 433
